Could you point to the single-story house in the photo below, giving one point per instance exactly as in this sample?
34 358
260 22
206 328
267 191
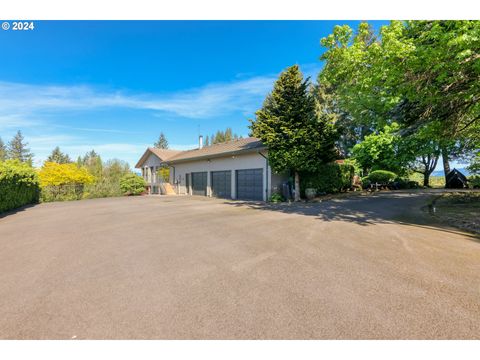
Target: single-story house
236 169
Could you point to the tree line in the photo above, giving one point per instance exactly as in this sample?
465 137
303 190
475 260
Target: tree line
220 136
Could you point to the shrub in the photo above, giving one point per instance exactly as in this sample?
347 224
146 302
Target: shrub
63 181
132 184
276 198
474 181
329 178
18 185
381 176
405 183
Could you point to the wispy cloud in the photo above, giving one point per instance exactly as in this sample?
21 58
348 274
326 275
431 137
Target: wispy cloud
41 108
204 102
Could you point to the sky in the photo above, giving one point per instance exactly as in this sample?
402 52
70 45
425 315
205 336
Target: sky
113 86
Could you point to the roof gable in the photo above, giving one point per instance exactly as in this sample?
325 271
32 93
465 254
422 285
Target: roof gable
162 154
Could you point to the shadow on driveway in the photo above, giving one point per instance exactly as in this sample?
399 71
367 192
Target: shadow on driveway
408 208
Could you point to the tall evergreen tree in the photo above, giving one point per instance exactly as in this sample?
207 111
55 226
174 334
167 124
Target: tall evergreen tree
17 149
3 150
207 141
298 137
59 157
93 162
162 142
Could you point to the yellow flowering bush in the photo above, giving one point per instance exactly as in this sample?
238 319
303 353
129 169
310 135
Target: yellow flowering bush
63 181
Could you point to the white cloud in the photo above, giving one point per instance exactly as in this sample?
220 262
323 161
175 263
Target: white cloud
204 102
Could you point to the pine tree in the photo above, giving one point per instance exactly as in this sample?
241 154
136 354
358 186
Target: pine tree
93 162
3 150
58 157
162 142
228 134
17 149
207 141
298 137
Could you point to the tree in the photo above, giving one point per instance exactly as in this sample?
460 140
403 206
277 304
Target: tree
55 174
297 137
17 149
207 141
426 71
93 162
384 150
474 166
3 150
223 136
162 142
58 157
426 148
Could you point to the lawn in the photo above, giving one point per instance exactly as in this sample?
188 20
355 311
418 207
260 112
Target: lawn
460 209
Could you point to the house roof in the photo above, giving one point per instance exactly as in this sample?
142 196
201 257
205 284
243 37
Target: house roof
162 154
233 147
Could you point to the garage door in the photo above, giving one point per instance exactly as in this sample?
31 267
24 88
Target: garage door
199 183
221 184
250 184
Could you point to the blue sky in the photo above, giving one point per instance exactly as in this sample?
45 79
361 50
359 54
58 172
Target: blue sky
114 86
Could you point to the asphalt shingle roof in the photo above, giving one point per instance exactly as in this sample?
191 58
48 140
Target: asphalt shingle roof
216 150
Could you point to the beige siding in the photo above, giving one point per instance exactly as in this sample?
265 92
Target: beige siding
232 163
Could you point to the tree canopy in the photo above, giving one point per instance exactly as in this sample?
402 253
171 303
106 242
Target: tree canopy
424 75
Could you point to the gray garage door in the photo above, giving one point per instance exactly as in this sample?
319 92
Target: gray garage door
221 184
250 184
199 183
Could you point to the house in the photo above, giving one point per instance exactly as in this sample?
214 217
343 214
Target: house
236 169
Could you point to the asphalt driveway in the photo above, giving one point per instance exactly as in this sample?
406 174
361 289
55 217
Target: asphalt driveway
198 268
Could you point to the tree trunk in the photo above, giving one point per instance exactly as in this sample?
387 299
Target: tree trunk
297 187
426 178
446 164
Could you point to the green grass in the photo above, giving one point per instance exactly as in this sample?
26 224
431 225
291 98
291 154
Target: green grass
435 181
460 209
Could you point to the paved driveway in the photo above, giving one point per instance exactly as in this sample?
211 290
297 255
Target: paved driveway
182 267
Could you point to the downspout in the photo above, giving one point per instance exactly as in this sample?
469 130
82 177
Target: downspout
266 175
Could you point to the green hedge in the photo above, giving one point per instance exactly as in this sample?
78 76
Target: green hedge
19 185
330 178
381 176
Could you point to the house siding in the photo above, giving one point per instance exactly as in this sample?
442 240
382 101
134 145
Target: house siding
179 171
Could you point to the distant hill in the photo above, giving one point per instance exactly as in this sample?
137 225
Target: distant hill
464 171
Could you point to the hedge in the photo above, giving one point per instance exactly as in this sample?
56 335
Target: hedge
19 185
329 178
380 176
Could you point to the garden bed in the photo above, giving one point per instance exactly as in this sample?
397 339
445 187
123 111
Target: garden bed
459 209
